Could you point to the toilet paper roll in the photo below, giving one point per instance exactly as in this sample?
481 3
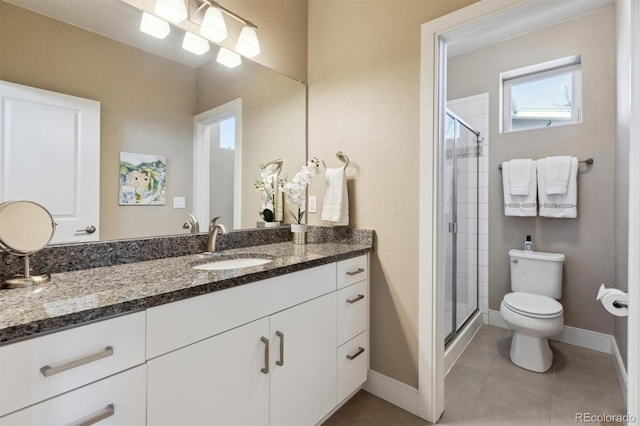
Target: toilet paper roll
610 297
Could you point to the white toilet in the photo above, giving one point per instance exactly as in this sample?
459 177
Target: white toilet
531 310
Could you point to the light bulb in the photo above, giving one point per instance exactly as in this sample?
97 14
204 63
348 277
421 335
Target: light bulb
153 26
174 11
228 58
195 44
248 44
213 26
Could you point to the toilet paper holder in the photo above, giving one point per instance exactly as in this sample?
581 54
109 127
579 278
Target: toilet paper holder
614 300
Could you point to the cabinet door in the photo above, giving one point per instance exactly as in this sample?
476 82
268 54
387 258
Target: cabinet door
218 381
303 388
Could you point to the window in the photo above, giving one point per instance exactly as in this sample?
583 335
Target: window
542 95
228 133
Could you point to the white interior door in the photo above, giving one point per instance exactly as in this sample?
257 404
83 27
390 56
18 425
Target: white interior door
64 176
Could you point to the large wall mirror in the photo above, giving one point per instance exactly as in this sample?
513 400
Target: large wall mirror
149 92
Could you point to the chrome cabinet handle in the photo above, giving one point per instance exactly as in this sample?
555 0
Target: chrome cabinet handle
48 370
106 412
90 229
264 340
357 354
280 362
356 272
355 299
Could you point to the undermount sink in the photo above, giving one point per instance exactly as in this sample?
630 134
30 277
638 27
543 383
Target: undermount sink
222 264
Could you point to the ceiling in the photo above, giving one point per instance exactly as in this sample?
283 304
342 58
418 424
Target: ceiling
119 21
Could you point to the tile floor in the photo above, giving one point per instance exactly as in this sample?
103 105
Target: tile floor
485 388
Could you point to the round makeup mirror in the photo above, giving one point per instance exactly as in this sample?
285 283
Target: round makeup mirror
25 228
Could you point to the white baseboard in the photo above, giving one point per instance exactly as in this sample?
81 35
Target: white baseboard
621 371
393 391
574 336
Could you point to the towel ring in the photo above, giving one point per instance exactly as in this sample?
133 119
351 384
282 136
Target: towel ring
340 156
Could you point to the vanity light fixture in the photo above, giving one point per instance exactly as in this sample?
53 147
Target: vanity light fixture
174 11
213 26
228 58
248 44
195 44
154 26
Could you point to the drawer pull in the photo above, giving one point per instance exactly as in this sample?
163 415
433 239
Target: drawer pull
357 354
106 412
355 299
356 272
264 340
48 370
280 334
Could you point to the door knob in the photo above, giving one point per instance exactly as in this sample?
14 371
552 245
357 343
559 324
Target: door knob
90 229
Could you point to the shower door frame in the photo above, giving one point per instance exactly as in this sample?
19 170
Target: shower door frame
452 227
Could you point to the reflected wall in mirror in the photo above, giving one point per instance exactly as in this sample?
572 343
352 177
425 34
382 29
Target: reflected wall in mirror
148 104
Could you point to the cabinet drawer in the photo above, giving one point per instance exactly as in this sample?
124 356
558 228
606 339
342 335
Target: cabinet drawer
117 400
353 310
351 271
353 365
42 367
178 324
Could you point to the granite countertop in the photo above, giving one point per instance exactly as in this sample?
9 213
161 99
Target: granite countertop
78 297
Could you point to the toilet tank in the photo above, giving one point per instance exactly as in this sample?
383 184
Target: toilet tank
536 272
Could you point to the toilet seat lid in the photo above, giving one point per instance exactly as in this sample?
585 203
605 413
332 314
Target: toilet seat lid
533 305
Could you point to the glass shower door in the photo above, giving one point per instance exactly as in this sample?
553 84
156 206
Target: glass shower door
461 185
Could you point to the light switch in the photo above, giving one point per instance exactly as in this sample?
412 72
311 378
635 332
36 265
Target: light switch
312 204
179 203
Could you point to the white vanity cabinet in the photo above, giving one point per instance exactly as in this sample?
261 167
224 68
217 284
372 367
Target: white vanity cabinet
43 367
352 343
281 351
276 370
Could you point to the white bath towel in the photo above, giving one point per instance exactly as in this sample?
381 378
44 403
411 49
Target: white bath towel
558 205
519 205
335 207
556 174
520 176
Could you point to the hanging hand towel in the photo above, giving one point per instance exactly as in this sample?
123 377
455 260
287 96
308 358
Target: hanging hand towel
520 176
519 205
558 205
556 174
335 207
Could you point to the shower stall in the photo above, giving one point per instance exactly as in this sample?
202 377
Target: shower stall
461 149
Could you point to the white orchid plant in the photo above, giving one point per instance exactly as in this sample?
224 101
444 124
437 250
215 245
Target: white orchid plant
296 190
267 190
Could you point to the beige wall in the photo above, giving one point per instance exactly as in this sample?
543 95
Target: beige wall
364 68
587 241
147 105
621 190
282 32
273 122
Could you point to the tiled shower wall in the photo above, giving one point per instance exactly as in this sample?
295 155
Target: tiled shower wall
474 110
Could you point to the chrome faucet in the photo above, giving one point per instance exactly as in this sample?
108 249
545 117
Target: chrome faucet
214 230
192 225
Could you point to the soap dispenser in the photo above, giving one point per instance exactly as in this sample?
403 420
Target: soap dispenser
528 245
